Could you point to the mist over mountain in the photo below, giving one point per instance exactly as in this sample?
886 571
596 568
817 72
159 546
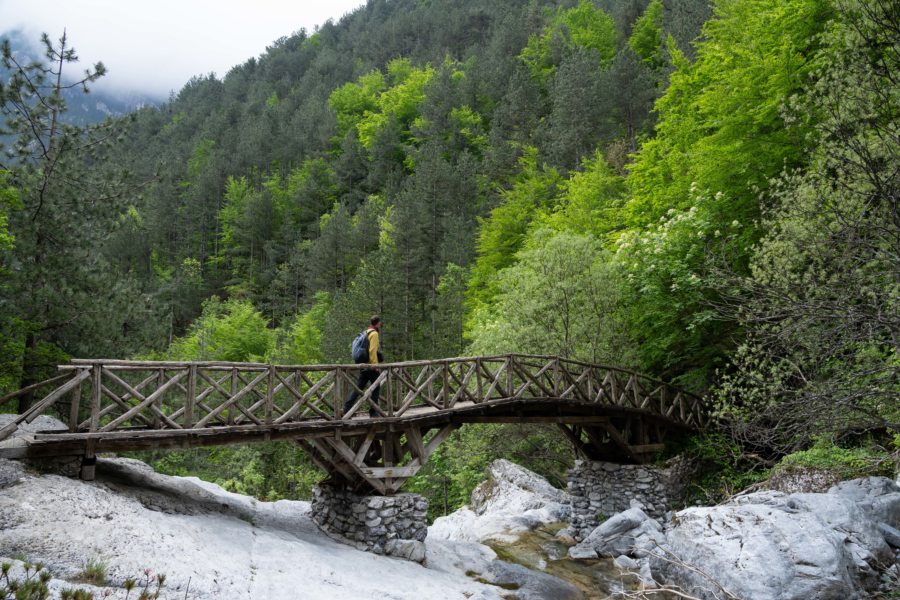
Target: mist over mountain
82 109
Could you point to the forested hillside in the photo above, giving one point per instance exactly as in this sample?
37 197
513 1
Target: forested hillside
704 193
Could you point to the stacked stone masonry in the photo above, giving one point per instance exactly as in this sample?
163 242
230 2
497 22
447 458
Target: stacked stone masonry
392 525
599 490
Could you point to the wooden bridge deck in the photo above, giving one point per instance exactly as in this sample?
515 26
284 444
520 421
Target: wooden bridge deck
117 405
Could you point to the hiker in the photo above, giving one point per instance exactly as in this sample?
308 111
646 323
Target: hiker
367 376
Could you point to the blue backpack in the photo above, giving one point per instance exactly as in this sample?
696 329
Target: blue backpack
359 349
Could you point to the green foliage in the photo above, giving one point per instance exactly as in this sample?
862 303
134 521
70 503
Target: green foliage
559 298
9 200
398 104
647 35
31 585
352 101
503 232
227 331
62 292
461 462
590 202
669 298
268 471
94 572
820 304
720 127
583 26
300 342
844 463
722 469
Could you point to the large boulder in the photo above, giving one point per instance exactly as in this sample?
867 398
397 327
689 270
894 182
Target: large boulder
210 544
771 545
630 532
511 501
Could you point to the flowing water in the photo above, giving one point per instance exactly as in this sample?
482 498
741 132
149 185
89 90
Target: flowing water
542 551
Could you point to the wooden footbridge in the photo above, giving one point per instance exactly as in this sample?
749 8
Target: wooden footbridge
114 405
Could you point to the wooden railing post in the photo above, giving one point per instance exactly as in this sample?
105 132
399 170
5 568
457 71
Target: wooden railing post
445 386
270 394
557 377
338 400
96 396
160 381
190 397
73 409
233 389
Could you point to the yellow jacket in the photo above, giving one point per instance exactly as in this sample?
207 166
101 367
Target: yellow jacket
373 346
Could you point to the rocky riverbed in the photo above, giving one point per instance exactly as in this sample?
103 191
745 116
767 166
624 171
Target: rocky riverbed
510 542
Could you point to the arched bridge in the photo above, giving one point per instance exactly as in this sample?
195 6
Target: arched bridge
114 405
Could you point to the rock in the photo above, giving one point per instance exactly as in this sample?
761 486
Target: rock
801 479
530 585
626 563
216 545
771 545
406 549
891 535
877 496
512 501
629 532
11 473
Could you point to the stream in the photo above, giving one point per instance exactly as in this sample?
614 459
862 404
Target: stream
540 550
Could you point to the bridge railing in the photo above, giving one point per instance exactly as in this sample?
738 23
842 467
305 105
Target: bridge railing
116 395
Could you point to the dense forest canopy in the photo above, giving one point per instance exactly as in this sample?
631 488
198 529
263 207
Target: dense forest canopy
707 193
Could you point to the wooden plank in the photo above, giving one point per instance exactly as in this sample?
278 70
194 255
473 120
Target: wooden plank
364 446
445 386
124 405
389 472
417 447
160 379
496 381
344 451
436 440
190 397
619 440
575 384
331 457
575 438
463 390
575 419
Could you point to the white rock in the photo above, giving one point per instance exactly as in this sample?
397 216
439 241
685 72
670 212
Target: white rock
223 545
511 501
775 546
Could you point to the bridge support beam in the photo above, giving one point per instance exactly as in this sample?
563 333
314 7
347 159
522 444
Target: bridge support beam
379 459
392 525
601 489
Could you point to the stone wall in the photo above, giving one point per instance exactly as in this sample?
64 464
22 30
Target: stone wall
392 525
599 490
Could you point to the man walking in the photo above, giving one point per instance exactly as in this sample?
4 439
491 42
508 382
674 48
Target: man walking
367 376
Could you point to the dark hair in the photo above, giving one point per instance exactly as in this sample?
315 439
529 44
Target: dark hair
375 320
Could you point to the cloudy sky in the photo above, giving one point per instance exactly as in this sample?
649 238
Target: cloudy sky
155 46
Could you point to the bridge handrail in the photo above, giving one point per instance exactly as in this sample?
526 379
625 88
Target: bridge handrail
76 363
248 394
